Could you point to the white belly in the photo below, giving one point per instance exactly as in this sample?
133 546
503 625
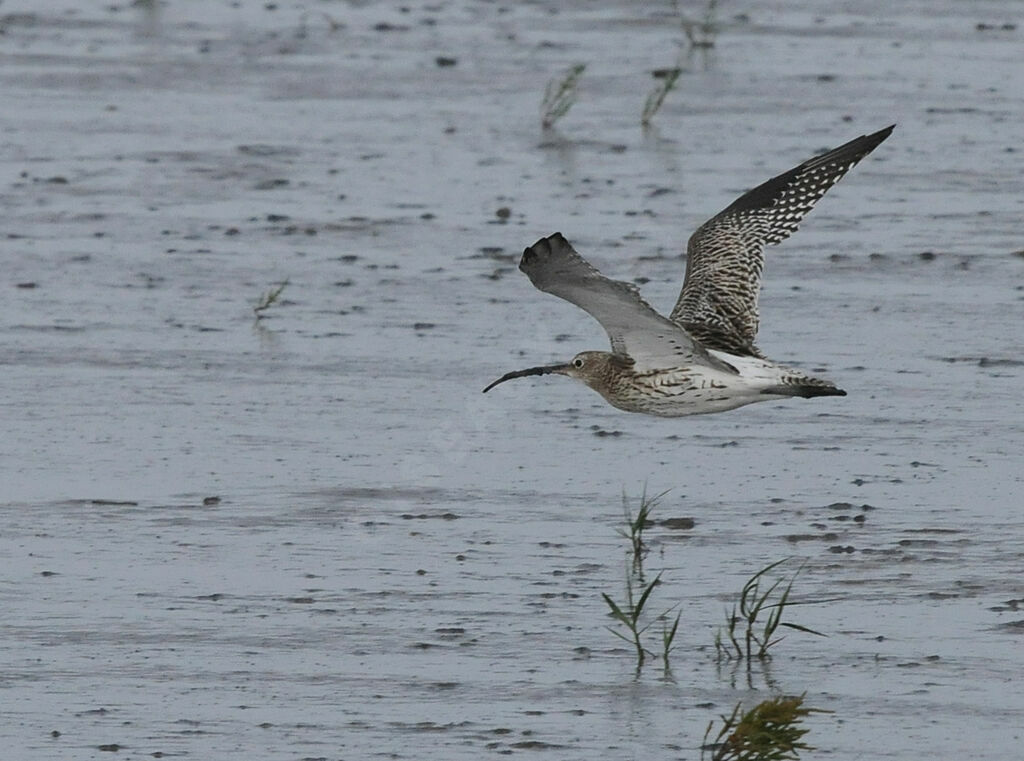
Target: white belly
702 390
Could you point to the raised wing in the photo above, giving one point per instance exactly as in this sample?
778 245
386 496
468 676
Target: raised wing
635 329
718 303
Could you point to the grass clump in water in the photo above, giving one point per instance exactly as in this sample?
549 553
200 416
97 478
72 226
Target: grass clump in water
769 731
666 81
638 590
635 526
269 298
559 96
629 616
752 625
701 34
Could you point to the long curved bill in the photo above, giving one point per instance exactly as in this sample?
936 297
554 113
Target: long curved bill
544 370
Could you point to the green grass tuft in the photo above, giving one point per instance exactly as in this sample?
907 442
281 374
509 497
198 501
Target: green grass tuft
769 731
559 95
269 298
638 590
760 616
666 82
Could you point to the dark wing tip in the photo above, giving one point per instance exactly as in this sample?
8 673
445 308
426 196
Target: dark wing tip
872 141
541 250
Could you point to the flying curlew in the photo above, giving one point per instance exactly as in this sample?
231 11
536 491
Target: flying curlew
702 357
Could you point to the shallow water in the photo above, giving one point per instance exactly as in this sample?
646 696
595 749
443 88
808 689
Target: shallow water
399 566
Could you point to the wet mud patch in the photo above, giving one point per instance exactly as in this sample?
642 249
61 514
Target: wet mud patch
396 562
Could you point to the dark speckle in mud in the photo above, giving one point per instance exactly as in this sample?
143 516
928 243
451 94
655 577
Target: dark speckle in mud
982 26
423 325
271 184
385 26
847 506
826 537
677 524
25 286
445 61
1000 362
503 213
986 361
1009 605
110 747
211 501
840 549
265 150
534 745
145 408
601 432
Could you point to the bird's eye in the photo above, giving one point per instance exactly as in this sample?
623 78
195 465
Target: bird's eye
577 363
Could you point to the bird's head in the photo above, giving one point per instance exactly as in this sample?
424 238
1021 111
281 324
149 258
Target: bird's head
590 367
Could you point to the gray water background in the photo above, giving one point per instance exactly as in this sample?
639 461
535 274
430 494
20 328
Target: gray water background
399 566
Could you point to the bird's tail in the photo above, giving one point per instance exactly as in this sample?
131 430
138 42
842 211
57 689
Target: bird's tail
804 386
